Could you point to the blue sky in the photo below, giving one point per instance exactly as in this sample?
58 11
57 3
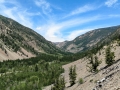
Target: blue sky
59 20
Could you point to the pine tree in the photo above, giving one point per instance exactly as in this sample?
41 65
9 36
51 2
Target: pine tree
62 83
94 63
109 56
59 84
72 75
36 68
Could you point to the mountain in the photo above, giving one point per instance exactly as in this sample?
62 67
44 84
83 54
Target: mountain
87 40
18 41
60 44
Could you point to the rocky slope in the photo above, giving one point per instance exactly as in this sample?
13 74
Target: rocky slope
108 78
60 44
87 40
18 41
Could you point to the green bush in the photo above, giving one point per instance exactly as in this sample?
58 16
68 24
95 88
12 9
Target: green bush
80 81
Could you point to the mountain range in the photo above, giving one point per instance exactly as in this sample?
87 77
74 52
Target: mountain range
18 41
36 60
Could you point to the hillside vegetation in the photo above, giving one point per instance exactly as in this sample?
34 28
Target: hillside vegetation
22 42
29 74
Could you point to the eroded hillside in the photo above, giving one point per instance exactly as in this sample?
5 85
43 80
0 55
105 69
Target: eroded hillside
18 41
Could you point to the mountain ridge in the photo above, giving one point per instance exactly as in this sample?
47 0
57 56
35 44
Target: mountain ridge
22 41
87 40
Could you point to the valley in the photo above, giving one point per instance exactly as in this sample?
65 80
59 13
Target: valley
30 62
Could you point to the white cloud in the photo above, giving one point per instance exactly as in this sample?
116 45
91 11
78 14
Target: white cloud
83 9
32 14
8 12
17 12
38 28
53 31
79 21
76 33
110 3
44 5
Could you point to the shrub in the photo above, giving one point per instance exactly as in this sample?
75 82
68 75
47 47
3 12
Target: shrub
91 80
80 81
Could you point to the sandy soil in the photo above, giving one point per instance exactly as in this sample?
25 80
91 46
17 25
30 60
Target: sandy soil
13 55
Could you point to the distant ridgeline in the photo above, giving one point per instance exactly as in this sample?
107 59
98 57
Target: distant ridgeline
88 40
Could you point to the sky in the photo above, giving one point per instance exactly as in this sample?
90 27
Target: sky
60 20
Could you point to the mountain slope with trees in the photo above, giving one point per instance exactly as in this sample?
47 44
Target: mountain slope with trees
18 41
87 40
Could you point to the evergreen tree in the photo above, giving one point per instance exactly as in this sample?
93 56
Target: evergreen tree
59 84
109 56
72 75
62 83
36 68
94 63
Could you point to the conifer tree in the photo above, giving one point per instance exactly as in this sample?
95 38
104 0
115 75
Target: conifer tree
72 75
109 58
94 63
36 68
59 84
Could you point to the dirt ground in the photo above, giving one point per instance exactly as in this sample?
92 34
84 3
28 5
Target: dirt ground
13 55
